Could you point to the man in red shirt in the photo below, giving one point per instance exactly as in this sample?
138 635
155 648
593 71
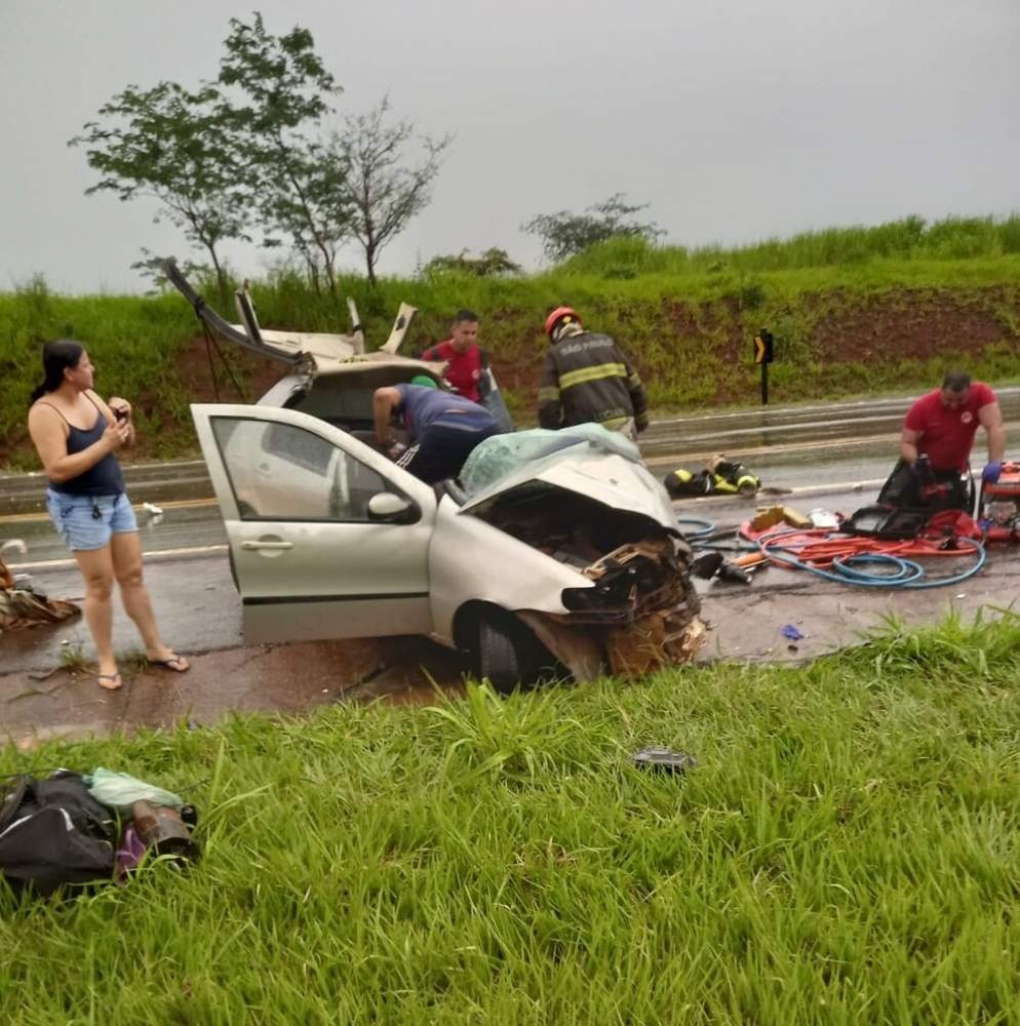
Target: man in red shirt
465 362
938 435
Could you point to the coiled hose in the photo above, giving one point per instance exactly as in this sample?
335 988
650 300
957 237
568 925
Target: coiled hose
845 559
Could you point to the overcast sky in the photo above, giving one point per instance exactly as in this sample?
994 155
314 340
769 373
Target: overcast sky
734 119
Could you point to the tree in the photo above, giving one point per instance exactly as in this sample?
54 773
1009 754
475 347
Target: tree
170 144
280 91
383 193
491 263
314 211
248 149
564 234
152 266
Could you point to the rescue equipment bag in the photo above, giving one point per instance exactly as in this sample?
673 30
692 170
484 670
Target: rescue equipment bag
891 524
920 487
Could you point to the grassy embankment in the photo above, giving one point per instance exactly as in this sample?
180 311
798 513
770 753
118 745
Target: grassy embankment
853 311
845 852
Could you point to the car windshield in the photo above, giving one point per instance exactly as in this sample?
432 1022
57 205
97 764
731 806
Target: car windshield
502 456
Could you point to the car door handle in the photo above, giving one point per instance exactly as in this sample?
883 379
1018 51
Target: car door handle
253 545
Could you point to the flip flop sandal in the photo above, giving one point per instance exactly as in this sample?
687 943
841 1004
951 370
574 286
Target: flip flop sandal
116 682
174 663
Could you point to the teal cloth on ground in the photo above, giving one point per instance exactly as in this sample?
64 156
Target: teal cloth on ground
119 791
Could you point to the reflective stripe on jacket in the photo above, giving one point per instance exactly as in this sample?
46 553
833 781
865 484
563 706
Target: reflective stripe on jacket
587 380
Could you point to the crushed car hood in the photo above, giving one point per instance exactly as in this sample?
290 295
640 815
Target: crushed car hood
607 478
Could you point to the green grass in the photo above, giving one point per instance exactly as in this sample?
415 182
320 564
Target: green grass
132 338
845 852
911 238
687 317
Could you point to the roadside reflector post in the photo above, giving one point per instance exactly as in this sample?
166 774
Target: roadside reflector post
763 354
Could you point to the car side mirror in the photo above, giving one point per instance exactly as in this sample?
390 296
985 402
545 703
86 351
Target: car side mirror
388 508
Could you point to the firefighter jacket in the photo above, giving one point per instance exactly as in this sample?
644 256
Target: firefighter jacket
587 380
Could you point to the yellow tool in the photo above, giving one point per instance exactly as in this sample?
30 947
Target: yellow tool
768 516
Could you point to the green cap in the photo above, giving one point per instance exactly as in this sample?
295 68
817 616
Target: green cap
424 381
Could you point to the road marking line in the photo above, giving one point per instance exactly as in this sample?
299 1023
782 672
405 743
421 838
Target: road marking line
180 503
157 555
139 507
782 494
778 450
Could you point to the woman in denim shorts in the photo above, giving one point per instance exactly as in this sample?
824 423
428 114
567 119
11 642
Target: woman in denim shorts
76 435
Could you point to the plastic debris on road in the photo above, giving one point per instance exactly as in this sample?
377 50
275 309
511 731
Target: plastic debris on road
823 518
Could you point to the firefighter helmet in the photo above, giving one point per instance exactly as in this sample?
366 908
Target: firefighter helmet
562 314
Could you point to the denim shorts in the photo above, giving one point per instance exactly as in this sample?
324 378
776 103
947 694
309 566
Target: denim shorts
74 518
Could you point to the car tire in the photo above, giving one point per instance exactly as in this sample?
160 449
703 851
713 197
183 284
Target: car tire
509 655
498 660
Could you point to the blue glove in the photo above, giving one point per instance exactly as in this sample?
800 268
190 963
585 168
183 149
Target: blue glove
992 472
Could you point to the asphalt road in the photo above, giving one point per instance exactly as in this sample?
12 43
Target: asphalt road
808 457
827 478
833 457
842 450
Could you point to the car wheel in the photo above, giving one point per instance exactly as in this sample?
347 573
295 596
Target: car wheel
509 656
497 654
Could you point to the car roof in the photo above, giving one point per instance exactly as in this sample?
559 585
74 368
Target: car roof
314 354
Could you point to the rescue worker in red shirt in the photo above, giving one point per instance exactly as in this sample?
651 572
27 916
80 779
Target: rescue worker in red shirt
586 379
465 361
935 446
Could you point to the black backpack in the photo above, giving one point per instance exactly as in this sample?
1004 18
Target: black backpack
54 833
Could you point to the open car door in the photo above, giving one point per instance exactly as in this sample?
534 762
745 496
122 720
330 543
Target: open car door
328 538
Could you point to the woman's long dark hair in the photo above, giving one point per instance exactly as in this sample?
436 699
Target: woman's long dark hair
56 357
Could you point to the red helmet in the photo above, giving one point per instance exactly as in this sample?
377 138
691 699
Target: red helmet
558 316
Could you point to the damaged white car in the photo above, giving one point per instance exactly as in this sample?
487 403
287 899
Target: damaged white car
551 555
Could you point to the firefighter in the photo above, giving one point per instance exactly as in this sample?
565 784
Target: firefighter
587 380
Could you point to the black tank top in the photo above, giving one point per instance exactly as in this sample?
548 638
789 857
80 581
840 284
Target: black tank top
102 478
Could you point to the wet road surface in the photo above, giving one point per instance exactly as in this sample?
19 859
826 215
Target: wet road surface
199 610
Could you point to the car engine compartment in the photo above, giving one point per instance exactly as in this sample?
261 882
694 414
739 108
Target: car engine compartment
642 612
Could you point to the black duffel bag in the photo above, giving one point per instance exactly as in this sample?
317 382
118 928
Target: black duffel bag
53 834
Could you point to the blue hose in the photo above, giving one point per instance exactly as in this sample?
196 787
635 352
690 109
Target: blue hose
702 529
898 572
905 572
